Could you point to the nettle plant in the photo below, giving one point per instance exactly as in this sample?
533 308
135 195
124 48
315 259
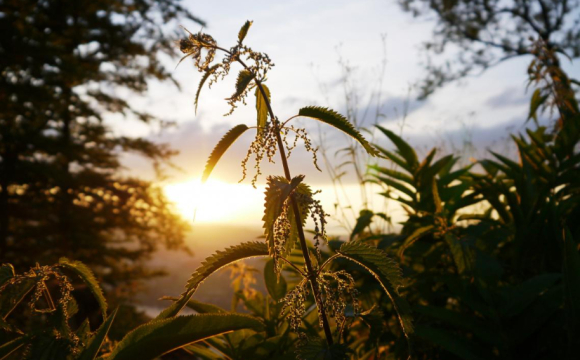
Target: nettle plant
288 200
51 326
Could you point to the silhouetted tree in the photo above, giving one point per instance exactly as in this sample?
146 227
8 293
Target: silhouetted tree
487 32
62 63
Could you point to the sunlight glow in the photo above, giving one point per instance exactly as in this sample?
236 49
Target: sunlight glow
217 201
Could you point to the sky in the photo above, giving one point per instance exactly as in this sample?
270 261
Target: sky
308 41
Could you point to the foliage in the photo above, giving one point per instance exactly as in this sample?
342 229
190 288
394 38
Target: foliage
53 337
488 281
489 32
62 66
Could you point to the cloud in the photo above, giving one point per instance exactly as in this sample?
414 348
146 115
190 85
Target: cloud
511 96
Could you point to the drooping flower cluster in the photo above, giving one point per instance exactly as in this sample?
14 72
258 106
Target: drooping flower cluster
337 292
256 64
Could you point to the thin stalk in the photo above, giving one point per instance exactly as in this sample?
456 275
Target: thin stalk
310 273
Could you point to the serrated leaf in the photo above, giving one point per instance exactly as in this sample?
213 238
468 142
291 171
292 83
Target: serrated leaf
262 107
226 141
275 284
94 344
158 337
244 79
89 279
6 273
211 265
204 308
244 31
403 148
12 295
335 119
277 191
386 271
205 76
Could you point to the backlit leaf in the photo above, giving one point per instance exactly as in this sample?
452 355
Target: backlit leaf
386 271
262 107
244 79
89 279
158 337
211 265
225 142
335 119
244 31
205 76
95 342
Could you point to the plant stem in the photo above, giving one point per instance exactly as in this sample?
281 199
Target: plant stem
311 274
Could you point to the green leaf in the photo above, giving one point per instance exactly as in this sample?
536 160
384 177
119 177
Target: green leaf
394 174
158 337
89 279
571 271
395 158
416 235
244 79
94 344
204 308
226 141
403 148
362 222
537 100
205 76
262 107
211 265
12 345
386 271
12 295
244 31
275 284
333 118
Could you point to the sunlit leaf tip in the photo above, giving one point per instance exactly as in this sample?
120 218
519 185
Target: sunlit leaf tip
226 141
88 278
244 31
242 82
386 271
337 120
261 106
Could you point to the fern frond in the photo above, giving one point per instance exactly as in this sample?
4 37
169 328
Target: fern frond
335 119
158 337
386 271
205 76
226 141
88 278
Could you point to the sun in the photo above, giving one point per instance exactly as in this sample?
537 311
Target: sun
216 201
